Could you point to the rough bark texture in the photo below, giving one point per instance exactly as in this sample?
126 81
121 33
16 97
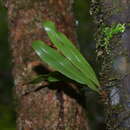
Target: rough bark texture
50 107
115 69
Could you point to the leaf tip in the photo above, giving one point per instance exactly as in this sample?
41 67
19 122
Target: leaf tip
49 25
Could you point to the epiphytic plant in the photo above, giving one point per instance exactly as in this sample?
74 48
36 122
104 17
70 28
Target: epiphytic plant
66 59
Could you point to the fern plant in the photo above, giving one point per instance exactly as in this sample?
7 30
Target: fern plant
66 59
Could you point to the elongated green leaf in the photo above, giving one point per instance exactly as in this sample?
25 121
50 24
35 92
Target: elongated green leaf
70 51
57 61
42 78
50 77
60 63
82 63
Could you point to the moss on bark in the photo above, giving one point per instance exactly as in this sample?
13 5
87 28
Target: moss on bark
114 75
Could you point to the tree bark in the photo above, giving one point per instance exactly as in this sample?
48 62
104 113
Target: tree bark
42 106
115 69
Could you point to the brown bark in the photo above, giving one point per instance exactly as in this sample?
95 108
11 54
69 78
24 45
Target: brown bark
49 107
115 69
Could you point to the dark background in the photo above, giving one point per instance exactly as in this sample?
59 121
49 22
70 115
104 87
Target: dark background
7 114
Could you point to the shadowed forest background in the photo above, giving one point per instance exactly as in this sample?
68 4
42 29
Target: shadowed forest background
85 29
7 114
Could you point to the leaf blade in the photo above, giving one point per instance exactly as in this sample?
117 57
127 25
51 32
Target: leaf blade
52 57
70 51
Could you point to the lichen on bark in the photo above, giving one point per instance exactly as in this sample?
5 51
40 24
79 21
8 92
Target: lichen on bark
114 66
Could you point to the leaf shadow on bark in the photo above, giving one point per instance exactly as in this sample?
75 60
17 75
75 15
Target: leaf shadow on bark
73 90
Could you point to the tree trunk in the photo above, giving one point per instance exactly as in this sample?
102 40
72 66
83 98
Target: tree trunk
115 69
42 106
